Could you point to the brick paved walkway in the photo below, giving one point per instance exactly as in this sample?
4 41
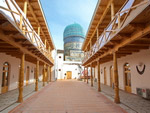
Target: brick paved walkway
130 102
9 98
68 97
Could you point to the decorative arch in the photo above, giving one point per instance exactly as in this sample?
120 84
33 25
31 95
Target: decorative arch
127 77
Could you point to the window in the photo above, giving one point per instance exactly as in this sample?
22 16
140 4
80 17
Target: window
59 69
5 74
59 56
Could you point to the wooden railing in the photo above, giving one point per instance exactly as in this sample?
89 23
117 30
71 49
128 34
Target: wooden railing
114 26
13 11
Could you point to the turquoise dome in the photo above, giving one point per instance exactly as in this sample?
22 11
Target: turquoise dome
73 30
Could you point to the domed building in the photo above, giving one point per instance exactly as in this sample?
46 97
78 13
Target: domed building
73 39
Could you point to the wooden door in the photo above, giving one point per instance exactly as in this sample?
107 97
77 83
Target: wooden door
111 77
5 77
105 80
27 75
69 74
127 76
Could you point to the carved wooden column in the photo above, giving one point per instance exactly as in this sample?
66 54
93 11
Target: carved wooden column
21 79
44 74
84 74
91 76
37 76
50 74
87 75
117 99
98 72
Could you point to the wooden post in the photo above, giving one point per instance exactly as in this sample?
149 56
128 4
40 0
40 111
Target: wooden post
84 74
45 43
21 79
39 31
98 72
25 8
50 75
44 74
91 76
112 10
87 75
21 19
97 34
116 99
37 76
119 22
48 70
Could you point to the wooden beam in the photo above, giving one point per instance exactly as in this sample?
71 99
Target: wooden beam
9 40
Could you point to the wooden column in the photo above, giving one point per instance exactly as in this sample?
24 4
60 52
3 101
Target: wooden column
97 34
37 76
50 75
112 10
45 43
91 76
44 74
84 74
21 79
98 72
25 7
39 31
119 22
87 75
116 84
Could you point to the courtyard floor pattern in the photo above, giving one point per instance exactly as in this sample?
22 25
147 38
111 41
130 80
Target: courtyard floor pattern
68 97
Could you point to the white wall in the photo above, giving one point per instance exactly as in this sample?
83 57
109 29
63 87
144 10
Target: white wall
73 68
14 70
137 80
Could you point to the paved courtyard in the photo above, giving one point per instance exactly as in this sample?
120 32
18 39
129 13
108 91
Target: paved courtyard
9 98
130 102
68 97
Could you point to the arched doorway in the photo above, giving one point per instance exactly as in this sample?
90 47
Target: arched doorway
111 77
127 77
5 77
27 75
105 79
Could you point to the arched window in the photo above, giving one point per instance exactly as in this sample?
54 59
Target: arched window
5 77
127 77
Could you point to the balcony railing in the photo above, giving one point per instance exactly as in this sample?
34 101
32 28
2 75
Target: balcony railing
114 26
16 15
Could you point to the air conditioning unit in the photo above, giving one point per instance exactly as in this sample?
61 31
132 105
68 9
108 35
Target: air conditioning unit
139 91
146 93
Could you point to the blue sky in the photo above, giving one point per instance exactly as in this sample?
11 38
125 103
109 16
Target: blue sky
60 13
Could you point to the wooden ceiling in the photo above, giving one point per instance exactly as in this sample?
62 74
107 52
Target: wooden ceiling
134 37
100 19
14 43
37 19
